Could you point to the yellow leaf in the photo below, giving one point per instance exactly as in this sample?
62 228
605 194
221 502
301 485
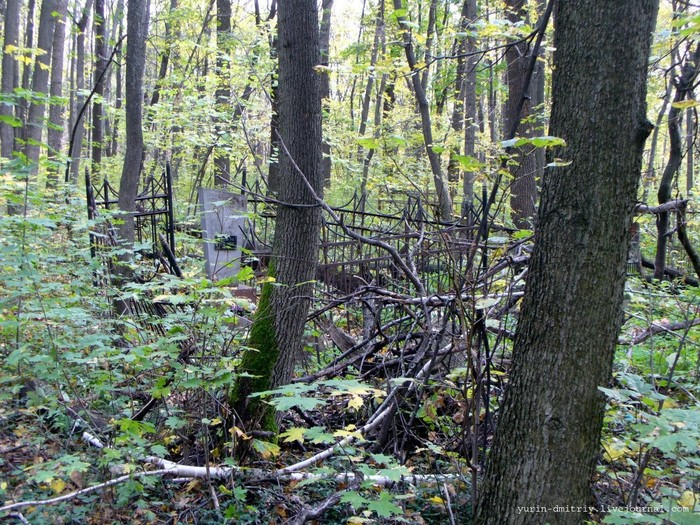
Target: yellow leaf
58 485
235 431
3 485
684 104
437 499
192 485
615 450
355 402
688 500
293 434
350 430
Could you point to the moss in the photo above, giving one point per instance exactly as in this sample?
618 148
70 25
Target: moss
257 364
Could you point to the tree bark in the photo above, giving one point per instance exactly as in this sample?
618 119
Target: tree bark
54 139
136 29
366 157
547 440
222 161
78 118
524 169
278 328
27 70
324 46
99 83
40 81
9 76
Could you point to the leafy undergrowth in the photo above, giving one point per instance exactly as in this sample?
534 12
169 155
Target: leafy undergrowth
88 396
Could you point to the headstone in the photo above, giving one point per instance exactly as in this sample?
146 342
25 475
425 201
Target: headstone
223 223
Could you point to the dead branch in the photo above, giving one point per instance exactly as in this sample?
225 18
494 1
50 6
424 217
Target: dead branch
88 490
673 205
660 328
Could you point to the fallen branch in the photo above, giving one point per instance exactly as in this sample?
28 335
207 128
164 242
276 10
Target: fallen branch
83 492
660 328
257 474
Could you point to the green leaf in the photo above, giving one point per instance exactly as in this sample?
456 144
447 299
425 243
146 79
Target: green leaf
282 404
485 302
468 163
368 142
384 506
355 499
546 141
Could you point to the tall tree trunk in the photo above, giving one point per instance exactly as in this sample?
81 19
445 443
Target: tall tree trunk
464 111
444 211
98 127
54 139
27 70
690 129
9 76
277 330
378 43
273 173
524 169
222 160
324 46
78 117
547 440
684 86
137 29
40 81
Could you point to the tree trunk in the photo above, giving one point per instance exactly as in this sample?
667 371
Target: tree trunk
464 110
524 169
277 330
136 30
54 139
366 157
40 81
78 118
444 211
690 129
684 86
222 161
23 106
324 46
99 83
547 440
9 76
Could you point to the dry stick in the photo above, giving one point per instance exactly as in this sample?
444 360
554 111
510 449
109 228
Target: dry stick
658 328
88 490
19 516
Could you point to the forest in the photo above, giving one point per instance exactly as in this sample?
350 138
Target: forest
349 262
